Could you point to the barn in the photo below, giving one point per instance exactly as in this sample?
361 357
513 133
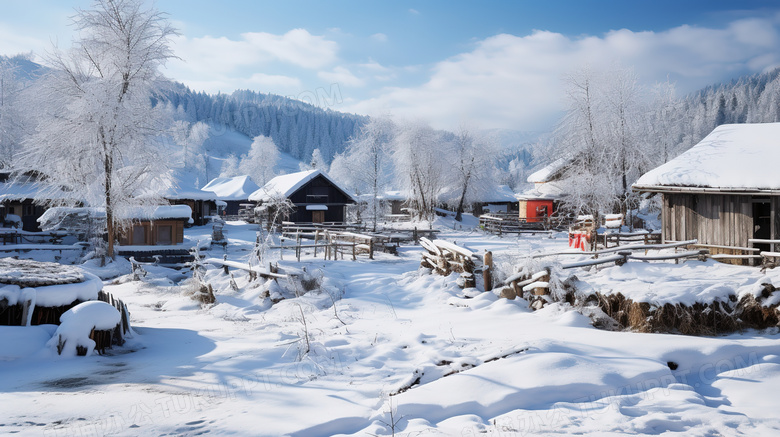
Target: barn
725 190
316 197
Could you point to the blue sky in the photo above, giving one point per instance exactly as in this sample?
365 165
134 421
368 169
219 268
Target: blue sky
493 64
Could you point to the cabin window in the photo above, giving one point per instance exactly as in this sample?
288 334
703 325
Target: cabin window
28 210
139 235
165 234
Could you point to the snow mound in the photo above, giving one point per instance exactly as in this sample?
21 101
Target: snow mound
64 294
78 322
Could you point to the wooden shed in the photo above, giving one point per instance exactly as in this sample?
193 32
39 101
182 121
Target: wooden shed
724 191
164 227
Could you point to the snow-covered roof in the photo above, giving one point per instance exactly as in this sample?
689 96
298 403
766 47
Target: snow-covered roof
733 157
177 193
547 172
286 185
395 195
502 193
165 212
14 191
549 190
235 188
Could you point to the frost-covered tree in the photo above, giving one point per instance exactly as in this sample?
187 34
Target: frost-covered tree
317 162
365 165
191 137
601 136
473 158
419 166
10 112
102 137
229 167
259 163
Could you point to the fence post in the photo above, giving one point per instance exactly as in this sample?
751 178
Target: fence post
224 266
371 248
487 271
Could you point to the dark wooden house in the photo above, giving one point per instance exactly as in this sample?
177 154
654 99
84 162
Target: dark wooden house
724 191
17 200
316 197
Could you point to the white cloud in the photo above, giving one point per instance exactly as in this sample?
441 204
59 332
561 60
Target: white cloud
341 76
13 42
297 47
379 37
414 11
212 56
515 81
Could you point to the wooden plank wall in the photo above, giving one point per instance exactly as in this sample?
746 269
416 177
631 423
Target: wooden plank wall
710 218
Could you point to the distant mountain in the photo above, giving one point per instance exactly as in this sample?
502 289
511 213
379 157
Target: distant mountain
296 127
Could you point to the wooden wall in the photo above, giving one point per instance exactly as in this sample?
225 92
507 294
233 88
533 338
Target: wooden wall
719 219
151 232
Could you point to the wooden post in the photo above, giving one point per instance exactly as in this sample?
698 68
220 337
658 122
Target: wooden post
414 236
487 271
316 239
354 250
371 248
224 266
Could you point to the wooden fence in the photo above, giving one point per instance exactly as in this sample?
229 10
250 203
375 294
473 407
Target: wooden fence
618 238
254 271
331 243
501 224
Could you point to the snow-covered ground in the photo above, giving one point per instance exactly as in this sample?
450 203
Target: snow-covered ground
392 349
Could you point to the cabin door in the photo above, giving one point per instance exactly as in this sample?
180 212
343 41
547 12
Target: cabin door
318 216
762 221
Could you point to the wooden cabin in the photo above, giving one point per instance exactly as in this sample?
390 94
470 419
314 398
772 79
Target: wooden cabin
724 191
316 197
